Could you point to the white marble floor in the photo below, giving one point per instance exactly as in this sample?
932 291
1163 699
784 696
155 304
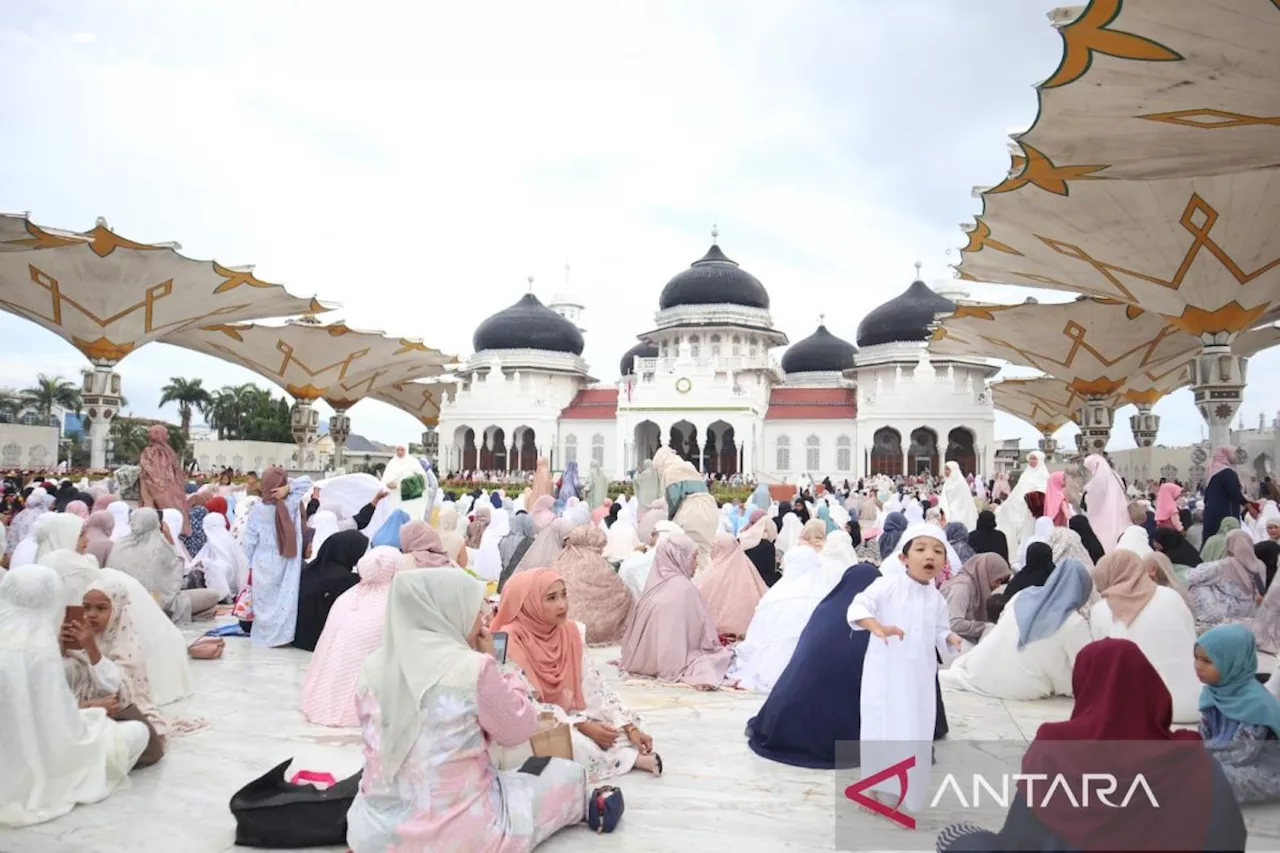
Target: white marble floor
716 794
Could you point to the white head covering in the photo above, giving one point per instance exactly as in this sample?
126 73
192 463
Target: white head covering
578 514
173 522
488 562
325 524
226 569
1136 539
424 639
623 541
956 499
57 531
838 548
1013 515
120 515
789 535
892 566
914 512
75 571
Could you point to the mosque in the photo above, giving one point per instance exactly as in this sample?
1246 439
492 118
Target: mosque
704 382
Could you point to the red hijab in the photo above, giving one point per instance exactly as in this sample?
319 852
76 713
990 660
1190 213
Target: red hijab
217 504
550 654
1119 696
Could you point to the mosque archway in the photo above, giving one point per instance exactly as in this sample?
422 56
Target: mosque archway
924 452
464 439
886 452
721 449
526 449
493 455
683 439
960 449
647 437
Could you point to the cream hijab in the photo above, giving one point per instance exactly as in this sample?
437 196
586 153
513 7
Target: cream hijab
429 615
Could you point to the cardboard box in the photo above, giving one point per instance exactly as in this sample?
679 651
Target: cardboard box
555 742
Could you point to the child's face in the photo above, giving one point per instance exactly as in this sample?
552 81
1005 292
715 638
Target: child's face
924 558
1205 669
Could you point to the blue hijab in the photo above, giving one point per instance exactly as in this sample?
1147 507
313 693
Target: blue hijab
824 513
1041 610
760 497
389 532
1238 695
816 702
895 524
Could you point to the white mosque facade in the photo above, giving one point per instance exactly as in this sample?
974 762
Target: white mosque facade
704 381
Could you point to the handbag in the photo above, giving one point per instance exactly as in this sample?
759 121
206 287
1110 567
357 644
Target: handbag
412 487
207 648
605 809
275 813
242 608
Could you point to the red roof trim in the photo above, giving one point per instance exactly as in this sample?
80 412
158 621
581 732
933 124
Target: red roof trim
592 404
803 404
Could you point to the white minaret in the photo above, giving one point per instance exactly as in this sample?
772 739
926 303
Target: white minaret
567 305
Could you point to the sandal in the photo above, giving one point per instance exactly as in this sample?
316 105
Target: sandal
657 766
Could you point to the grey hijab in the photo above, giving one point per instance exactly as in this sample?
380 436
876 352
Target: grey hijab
517 540
1041 610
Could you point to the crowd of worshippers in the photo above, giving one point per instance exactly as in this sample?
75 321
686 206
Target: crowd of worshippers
856 609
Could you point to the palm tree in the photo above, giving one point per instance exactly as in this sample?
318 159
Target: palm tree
10 406
189 394
49 392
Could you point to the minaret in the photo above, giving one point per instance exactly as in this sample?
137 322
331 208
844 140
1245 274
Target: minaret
568 306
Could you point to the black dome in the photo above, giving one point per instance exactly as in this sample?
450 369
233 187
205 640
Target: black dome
640 350
906 317
714 280
820 351
528 325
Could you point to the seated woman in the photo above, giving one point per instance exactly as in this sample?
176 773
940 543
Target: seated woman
670 635
149 558
1229 589
783 612
815 703
757 539
1175 546
324 579
1133 607
514 545
549 647
1036 571
654 529
598 598
986 539
66 755
1030 652
430 701
967 594
226 570
1119 697
1241 722
352 631
106 666
732 587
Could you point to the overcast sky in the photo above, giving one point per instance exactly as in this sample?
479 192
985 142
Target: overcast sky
417 161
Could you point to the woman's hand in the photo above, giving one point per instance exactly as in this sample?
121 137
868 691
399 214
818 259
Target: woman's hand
78 635
603 734
640 740
484 641
954 641
110 704
281 493
394 484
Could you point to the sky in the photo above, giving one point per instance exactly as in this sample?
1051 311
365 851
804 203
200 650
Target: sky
417 162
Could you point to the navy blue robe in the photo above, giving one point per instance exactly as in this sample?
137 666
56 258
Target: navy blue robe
1223 498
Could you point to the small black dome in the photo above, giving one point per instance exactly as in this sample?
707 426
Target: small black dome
713 279
640 350
528 325
906 317
820 351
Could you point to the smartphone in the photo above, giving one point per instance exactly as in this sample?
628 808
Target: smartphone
499 645
74 613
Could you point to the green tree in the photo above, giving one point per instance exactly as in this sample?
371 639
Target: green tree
129 437
190 395
10 406
49 392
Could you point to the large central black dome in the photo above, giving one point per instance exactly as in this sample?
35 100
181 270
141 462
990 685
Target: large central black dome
713 279
528 325
821 351
906 317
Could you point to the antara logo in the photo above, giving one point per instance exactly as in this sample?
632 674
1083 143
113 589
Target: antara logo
1055 790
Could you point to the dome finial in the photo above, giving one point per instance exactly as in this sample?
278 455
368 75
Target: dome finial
822 319
918 265
715 234
566 273
531 284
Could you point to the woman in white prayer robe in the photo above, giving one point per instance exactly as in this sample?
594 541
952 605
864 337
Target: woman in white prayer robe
956 498
1031 651
120 516
1134 607
784 610
910 626
399 467
226 570
59 755
635 569
488 562
1013 517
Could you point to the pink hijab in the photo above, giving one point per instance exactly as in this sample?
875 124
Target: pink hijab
1055 497
598 514
1241 563
598 598
543 511
351 633
421 542
1223 457
97 531
732 587
101 502
1167 506
670 635
1108 506
161 479
78 509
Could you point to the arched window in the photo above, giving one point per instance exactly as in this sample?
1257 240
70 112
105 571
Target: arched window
784 453
753 348
812 453
715 346
844 454
29 418
570 449
694 347
737 346
597 449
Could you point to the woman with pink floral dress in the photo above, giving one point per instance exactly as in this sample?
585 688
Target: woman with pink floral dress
430 701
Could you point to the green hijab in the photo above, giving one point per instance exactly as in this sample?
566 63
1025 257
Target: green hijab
1215 547
1238 694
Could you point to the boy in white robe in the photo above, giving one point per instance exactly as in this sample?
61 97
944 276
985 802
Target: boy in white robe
908 616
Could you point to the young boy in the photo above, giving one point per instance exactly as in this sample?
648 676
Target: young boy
908 617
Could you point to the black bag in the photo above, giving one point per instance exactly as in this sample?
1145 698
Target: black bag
270 812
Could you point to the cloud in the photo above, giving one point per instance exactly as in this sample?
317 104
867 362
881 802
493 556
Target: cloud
417 169
84 38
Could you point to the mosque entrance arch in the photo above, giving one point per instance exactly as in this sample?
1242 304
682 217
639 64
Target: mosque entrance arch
493 455
886 452
683 439
526 444
464 439
721 449
924 452
960 449
647 437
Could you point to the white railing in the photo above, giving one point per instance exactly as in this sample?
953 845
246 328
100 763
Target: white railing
722 364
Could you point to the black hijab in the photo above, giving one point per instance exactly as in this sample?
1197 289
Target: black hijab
986 539
328 576
1037 570
1080 524
612 516
1268 551
1176 547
